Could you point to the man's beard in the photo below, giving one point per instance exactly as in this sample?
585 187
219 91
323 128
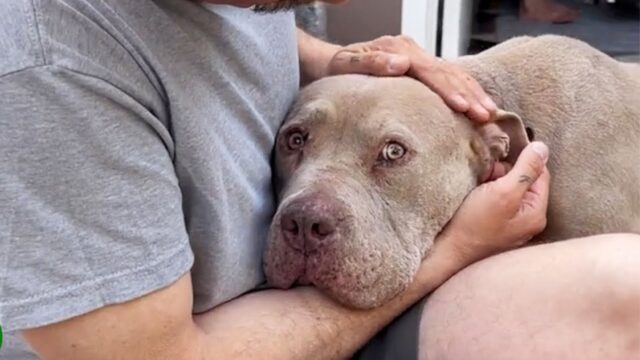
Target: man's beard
280 5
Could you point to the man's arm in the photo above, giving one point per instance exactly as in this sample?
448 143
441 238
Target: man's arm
300 323
315 56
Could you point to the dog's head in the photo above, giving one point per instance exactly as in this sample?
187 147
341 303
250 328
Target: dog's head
368 171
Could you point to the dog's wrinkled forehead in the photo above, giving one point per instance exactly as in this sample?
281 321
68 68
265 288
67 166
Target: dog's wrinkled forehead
331 98
345 100
311 112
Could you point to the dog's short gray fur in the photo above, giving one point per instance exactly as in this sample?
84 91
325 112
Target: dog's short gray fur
582 103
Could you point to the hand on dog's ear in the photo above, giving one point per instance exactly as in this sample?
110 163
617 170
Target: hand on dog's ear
500 142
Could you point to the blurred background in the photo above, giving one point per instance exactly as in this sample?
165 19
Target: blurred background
451 28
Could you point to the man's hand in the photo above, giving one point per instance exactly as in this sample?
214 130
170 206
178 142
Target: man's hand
505 213
400 55
396 56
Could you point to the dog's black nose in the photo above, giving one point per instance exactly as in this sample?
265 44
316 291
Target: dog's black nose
309 222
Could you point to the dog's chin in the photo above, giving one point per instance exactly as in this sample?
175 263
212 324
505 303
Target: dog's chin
359 290
362 299
355 289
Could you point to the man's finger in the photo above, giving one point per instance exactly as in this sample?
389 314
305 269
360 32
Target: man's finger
477 112
541 185
377 63
446 86
535 203
483 99
526 171
538 194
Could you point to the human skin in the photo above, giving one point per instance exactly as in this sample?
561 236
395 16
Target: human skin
573 299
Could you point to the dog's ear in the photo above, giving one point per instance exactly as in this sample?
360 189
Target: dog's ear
505 136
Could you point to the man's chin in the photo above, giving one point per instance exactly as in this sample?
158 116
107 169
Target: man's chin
270 6
280 5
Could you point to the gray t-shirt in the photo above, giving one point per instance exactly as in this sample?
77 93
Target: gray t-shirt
135 141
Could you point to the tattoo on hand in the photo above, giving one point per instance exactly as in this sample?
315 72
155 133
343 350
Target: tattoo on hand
525 179
354 59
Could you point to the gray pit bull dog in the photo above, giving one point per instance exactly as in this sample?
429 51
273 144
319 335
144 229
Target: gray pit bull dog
369 170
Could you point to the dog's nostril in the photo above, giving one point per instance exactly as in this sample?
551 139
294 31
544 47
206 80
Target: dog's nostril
321 229
292 232
290 225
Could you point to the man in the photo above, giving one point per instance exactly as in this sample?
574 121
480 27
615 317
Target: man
136 197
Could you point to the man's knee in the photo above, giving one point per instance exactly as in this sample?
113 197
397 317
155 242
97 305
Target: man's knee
617 275
548 297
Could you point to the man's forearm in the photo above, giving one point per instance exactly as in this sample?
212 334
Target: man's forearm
304 324
315 55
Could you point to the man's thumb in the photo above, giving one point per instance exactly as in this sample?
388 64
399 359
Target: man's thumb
527 169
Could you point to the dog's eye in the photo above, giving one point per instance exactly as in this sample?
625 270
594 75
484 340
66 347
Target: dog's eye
295 140
393 151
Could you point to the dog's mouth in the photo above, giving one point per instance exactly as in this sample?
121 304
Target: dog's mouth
303 280
322 267
332 268
495 171
498 169
332 275
306 271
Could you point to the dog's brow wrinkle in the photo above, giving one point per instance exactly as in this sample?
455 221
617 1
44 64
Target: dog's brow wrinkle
310 113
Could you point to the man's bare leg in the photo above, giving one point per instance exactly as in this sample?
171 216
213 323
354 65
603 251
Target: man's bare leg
547 11
575 299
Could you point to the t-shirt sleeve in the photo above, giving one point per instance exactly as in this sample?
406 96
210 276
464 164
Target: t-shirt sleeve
90 206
